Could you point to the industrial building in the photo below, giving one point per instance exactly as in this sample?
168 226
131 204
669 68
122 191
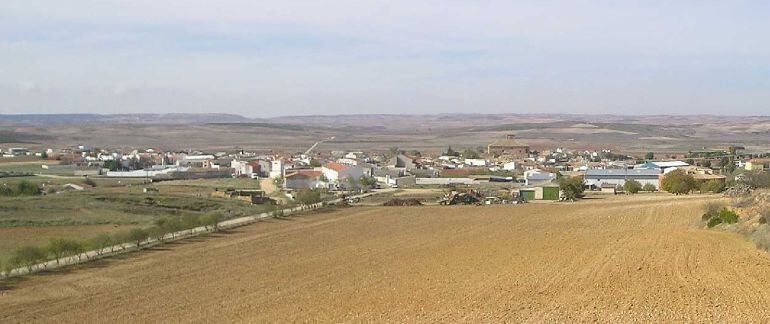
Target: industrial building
595 178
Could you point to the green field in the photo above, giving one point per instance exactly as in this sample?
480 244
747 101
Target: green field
102 183
111 205
15 237
91 207
210 184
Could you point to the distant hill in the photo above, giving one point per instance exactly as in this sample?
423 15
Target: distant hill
7 136
510 121
73 119
626 134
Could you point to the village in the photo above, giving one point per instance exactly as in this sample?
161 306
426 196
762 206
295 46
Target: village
506 171
384 161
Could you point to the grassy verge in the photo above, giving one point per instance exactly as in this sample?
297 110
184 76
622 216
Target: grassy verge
79 215
15 237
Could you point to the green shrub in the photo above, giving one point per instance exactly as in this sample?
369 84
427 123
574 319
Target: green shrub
728 216
572 187
26 188
137 235
308 196
170 225
712 186
120 237
632 186
190 221
714 222
90 182
100 242
649 187
211 221
23 188
157 233
678 182
59 248
721 216
27 256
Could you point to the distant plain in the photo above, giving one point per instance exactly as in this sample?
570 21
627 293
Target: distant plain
429 133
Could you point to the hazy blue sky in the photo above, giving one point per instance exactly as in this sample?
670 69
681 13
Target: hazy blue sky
270 57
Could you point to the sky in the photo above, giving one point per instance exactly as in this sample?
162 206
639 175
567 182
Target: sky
270 58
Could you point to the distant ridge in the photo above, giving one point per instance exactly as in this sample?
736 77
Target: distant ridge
172 118
373 120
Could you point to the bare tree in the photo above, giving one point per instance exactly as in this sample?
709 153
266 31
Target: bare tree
138 235
100 242
27 256
211 221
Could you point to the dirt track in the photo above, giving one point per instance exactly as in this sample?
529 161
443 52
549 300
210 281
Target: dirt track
607 260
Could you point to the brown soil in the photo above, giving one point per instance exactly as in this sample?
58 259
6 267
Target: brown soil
403 202
615 259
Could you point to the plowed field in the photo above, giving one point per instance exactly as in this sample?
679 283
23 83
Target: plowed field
611 259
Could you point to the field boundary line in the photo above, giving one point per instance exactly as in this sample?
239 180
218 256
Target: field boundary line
123 248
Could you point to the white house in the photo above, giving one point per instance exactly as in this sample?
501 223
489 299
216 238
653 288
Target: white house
476 162
337 174
537 177
147 172
354 155
17 151
195 161
347 161
510 166
595 178
304 179
276 168
246 168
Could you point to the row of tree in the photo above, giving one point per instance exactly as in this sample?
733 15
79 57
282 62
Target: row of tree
678 182
58 248
633 187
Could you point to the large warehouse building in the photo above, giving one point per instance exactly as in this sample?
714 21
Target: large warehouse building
595 178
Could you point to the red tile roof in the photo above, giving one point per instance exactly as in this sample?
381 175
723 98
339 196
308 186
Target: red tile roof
305 173
336 166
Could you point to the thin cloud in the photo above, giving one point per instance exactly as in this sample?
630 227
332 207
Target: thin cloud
271 58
